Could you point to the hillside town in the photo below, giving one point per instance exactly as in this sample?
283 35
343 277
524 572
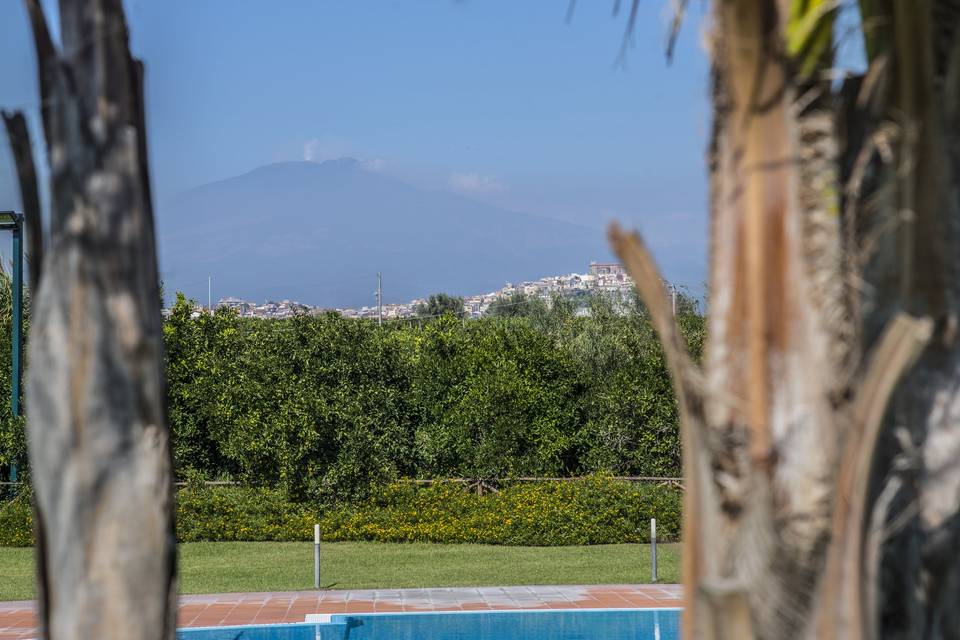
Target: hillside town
600 277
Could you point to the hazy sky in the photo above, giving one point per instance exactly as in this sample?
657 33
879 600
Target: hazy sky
498 99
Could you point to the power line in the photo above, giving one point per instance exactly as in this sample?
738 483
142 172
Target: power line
379 299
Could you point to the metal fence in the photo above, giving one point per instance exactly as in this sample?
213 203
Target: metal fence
478 485
9 491
493 485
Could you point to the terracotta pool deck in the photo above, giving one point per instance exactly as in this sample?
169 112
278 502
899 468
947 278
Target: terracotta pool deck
17 619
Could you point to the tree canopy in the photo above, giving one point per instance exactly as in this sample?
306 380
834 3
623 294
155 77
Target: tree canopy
328 406
441 304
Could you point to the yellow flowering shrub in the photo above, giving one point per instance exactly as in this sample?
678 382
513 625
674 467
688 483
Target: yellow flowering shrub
596 510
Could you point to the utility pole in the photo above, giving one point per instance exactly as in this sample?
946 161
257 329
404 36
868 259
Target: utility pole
13 222
17 325
379 299
209 297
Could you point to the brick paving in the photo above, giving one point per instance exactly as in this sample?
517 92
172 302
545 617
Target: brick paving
17 620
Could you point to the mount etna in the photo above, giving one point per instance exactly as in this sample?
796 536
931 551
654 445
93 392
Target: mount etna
319 233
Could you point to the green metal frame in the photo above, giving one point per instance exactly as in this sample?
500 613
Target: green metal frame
13 222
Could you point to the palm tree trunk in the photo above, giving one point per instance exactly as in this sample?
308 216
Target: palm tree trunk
830 221
97 429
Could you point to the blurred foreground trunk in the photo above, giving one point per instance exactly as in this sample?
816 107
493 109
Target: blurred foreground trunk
96 422
822 433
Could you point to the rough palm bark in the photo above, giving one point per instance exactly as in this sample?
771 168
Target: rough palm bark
823 468
917 470
98 437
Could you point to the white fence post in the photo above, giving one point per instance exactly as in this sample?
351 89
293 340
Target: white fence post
653 548
316 556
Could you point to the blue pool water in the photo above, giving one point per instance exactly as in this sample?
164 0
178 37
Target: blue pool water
598 624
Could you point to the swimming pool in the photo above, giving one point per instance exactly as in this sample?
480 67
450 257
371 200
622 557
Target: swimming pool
581 624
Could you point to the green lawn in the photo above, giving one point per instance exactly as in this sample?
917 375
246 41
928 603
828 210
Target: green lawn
215 567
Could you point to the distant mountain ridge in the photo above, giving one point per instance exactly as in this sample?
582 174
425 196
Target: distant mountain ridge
320 232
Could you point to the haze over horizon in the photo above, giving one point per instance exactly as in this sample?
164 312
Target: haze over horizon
334 224
501 103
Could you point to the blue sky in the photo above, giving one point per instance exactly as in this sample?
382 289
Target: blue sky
498 99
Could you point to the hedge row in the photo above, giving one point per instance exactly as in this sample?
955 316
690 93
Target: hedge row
593 511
